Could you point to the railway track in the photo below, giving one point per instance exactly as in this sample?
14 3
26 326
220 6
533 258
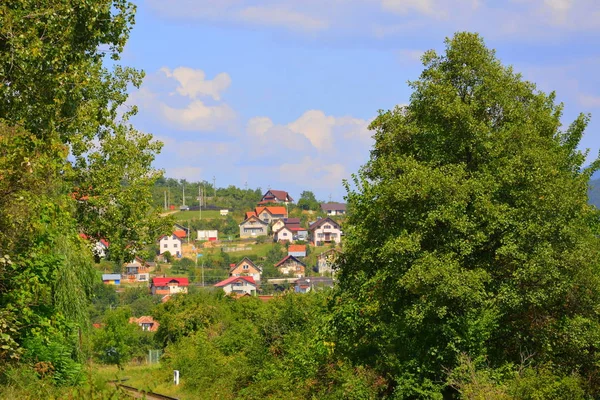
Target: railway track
142 394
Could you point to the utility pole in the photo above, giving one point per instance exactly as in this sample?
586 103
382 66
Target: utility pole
183 186
200 199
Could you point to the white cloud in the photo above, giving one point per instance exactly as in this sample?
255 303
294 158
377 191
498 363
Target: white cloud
192 114
426 7
282 17
188 173
589 101
410 55
316 127
320 173
258 126
198 116
193 82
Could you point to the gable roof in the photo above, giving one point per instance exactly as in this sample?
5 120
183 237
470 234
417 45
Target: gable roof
250 214
255 218
104 242
166 281
249 262
296 248
291 221
280 195
333 207
180 234
286 258
282 228
271 210
232 279
321 221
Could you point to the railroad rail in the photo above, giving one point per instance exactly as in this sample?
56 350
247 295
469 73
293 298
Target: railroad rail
142 394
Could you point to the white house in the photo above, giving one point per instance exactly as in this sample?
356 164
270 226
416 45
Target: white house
238 285
172 243
283 234
325 231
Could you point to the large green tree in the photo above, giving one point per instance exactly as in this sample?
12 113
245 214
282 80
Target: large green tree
64 137
470 232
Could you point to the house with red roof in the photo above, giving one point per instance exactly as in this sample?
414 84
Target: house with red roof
99 247
238 285
246 268
145 322
290 265
297 250
169 286
276 196
172 243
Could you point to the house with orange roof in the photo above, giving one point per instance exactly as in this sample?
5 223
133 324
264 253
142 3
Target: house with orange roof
290 265
297 250
246 268
253 227
269 214
145 322
172 243
276 196
238 285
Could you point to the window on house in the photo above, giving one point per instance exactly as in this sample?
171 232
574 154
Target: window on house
334 235
327 226
245 267
175 245
319 235
165 245
284 234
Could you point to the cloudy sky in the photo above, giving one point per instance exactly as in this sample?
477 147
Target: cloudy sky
279 93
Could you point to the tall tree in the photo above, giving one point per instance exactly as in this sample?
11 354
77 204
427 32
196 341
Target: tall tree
62 139
470 230
308 201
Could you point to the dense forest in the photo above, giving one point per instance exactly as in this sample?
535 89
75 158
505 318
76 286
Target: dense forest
470 264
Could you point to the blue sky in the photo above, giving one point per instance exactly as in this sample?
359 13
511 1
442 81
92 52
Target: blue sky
280 93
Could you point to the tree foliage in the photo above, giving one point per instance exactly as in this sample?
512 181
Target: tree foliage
64 146
470 232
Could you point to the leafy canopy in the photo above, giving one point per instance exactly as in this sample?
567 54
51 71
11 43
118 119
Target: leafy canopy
470 230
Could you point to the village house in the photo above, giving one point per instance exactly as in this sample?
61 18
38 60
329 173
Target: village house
172 243
147 323
276 196
137 271
246 268
326 261
297 250
334 208
238 285
99 247
111 279
169 286
269 214
290 265
325 231
305 285
253 227
283 235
